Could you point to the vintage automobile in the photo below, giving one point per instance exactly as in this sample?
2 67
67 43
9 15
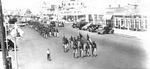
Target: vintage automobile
79 24
85 27
105 30
93 28
60 24
53 23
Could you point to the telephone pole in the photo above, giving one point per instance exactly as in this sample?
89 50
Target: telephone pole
2 37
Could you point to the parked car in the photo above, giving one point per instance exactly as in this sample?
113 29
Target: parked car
23 24
74 25
60 24
79 24
93 28
85 27
53 23
105 30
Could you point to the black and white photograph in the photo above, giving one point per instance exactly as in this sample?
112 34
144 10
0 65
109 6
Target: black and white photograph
74 34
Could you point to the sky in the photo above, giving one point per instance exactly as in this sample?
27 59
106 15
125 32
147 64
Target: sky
35 5
12 4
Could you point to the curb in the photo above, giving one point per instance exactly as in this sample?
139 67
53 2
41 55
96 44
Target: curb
125 35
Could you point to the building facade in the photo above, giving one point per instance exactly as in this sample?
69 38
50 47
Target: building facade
76 10
126 17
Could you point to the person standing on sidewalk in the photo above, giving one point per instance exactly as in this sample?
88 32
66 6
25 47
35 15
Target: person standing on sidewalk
48 55
57 33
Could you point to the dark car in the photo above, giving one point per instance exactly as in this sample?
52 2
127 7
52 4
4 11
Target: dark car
53 23
105 30
93 28
60 24
79 24
86 27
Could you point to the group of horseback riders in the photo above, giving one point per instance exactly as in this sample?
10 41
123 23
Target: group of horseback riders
45 31
81 47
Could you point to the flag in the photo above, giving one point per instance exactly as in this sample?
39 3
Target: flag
88 37
83 40
80 35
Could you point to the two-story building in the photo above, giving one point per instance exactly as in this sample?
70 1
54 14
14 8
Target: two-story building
126 17
75 10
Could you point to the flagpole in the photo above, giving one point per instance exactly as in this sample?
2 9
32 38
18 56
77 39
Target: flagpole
15 45
6 25
2 37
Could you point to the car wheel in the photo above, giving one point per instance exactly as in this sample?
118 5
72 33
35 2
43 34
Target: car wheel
89 30
103 32
79 28
10 48
112 32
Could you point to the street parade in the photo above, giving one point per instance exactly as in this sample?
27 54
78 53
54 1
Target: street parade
80 46
74 34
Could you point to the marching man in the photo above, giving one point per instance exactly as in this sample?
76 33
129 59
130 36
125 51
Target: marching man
94 49
57 35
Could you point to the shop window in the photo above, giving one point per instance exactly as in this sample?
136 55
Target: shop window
122 22
69 4
145 24
127 22
136 23
117 23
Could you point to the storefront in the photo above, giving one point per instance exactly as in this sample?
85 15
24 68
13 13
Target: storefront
131 22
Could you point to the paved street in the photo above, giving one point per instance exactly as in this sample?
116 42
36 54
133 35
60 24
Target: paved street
114 52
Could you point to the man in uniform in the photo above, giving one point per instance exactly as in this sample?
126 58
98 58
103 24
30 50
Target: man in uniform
50 32
94 49
74 49
81 49
71 42
57 33
88 49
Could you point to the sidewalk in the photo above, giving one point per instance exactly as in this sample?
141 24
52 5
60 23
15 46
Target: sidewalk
129 33
1 61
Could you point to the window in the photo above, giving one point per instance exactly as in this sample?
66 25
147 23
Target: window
81 3
69 4
72 3
62 3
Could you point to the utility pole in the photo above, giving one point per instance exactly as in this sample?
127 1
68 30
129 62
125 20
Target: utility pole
2 37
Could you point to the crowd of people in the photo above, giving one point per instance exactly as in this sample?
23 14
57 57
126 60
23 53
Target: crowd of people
80 46
45 31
